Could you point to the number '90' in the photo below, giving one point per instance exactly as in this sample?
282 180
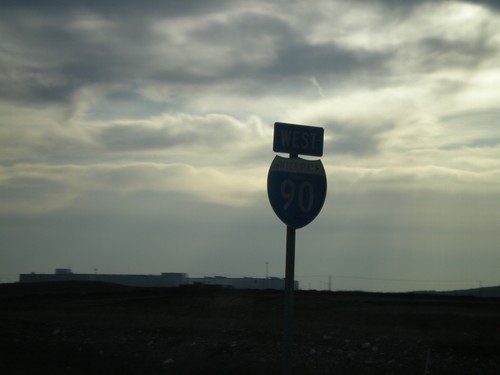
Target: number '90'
304 194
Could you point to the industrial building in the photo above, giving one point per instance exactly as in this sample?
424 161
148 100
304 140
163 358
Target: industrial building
169 279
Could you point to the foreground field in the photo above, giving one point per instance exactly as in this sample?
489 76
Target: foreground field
87 328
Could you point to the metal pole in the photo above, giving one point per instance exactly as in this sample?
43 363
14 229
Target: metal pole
289 288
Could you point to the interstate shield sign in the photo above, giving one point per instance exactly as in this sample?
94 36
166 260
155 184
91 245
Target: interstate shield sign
296 189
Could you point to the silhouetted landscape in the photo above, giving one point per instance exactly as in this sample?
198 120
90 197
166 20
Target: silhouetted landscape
99 328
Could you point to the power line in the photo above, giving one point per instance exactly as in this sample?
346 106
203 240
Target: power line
396 279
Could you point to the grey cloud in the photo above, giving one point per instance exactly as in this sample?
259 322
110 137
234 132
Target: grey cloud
247 29
36 87
485 142
140 137
472 129
357 140
353 143
438 52
33 194
211 131
292 55
326 59
121 104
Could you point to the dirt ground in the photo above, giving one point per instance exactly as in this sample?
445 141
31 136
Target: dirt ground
94 328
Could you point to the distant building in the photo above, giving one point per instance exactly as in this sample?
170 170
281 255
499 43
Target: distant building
242 282
169 279
163 280
63 271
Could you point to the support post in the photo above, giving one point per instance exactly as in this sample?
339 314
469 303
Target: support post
289 289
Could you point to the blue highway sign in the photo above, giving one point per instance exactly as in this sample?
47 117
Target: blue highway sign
298 139
296 189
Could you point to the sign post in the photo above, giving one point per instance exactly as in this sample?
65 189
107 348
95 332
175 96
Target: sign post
297 190
289 287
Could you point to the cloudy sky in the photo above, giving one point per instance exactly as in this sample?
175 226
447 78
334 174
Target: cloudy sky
137 138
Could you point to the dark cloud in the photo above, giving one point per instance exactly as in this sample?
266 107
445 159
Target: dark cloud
490 4
44 39
262 49
118 8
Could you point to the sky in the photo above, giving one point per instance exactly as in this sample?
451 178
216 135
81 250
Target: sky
136 138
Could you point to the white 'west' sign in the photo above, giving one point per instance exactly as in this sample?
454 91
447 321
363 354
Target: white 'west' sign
298 139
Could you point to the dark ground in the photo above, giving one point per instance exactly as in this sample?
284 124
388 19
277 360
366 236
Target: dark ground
94 328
